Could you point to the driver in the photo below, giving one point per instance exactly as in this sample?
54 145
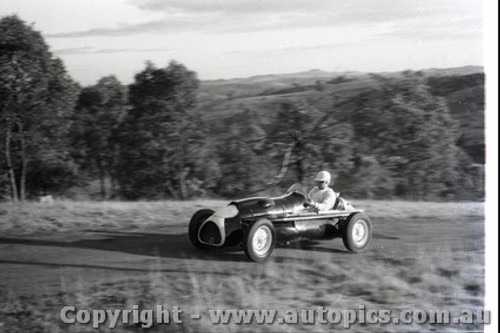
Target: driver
322 196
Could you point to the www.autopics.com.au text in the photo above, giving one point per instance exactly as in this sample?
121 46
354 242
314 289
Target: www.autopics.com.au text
347 317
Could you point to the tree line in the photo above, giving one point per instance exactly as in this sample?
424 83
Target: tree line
150 139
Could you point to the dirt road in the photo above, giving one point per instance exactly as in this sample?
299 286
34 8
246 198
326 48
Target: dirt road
416 260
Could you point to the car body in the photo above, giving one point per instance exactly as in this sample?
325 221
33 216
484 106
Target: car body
259 223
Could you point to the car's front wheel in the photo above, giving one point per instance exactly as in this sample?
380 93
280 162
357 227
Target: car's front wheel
357 232
260 240
194 226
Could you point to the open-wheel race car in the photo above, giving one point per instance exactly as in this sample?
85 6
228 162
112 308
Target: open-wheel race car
260 223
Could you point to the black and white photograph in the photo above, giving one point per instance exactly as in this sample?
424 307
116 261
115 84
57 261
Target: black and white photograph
248 166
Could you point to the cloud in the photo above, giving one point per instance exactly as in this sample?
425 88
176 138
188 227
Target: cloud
91 50
74 50
336 11
427 30
230 7
233 16
121 30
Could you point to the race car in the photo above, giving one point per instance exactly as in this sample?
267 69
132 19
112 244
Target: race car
260 223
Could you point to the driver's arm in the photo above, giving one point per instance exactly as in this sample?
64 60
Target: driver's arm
327 202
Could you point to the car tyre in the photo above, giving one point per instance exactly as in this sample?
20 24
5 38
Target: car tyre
194 226
357 232
260 240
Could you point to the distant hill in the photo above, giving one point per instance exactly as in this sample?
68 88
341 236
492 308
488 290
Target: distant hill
463 88
250 86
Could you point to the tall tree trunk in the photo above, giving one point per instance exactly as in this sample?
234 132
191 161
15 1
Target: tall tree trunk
112 187
24 163
23 178
100 167
182 181
112 173
10 168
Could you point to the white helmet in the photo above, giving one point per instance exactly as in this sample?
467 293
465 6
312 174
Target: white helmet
323 176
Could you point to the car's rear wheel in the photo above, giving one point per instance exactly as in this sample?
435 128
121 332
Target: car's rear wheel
260 240
194 226
357 232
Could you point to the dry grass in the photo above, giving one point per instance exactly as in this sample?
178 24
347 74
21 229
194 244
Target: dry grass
116 254
62 216
67 216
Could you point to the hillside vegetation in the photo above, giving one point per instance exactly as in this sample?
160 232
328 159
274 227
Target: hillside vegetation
411 134
463 89
250 105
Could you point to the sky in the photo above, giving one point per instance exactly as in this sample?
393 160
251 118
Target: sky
240 38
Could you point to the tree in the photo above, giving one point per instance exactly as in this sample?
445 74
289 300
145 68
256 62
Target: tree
410 134
36 100
316 140
243 156
99 111
159 136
